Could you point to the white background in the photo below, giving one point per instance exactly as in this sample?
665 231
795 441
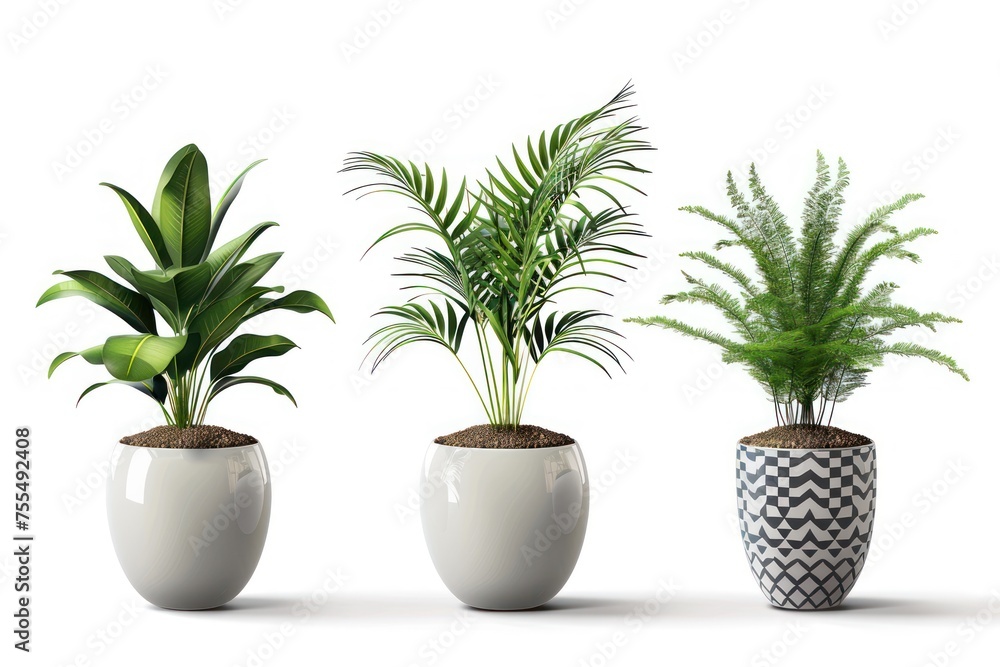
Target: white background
904 91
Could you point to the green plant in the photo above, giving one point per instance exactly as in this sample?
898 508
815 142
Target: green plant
808 331
203 294
509 247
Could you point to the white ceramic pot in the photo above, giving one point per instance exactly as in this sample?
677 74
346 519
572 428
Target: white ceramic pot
806 516
504 527
189 525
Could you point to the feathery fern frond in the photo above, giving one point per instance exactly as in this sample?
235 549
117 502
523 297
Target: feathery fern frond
806 330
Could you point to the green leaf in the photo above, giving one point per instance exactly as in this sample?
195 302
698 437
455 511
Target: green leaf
228 197
222 384
132 307
138 358
179 290
92 355
299 301
243 276
246 348
146 226
155 388
227 255
124 268
183 208
217 323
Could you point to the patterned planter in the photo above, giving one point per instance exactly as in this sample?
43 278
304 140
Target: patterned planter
806 517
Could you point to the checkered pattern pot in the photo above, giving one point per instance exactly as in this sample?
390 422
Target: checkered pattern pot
806 517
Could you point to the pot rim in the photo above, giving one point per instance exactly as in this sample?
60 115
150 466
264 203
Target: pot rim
575 443
806 449
191 449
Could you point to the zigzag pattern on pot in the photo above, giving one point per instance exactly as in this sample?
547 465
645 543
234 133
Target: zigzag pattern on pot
806 518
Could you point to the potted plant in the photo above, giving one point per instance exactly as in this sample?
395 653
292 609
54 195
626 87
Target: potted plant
506 519
809 331
188 503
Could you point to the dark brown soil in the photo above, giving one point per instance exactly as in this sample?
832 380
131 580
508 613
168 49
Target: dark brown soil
485 436
802 436
195 437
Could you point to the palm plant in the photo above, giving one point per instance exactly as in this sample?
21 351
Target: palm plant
508 247
203 294
806 329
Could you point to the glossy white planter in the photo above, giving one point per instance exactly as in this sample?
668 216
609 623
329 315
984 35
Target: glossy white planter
806 517
188 525
504 527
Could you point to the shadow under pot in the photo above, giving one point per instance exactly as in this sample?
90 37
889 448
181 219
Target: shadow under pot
189 525
806 517
504 527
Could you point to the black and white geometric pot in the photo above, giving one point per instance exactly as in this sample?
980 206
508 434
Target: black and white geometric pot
806 517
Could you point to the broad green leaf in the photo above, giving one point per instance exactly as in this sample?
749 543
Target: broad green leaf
138 358
227 255
299 301
228 197
183 207
218 322
179 290
246 348
134 308
92 355
124 268
146 226
155 388
222 384
243 276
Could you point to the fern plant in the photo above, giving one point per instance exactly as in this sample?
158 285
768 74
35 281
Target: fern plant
806 328
202 293
507 247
